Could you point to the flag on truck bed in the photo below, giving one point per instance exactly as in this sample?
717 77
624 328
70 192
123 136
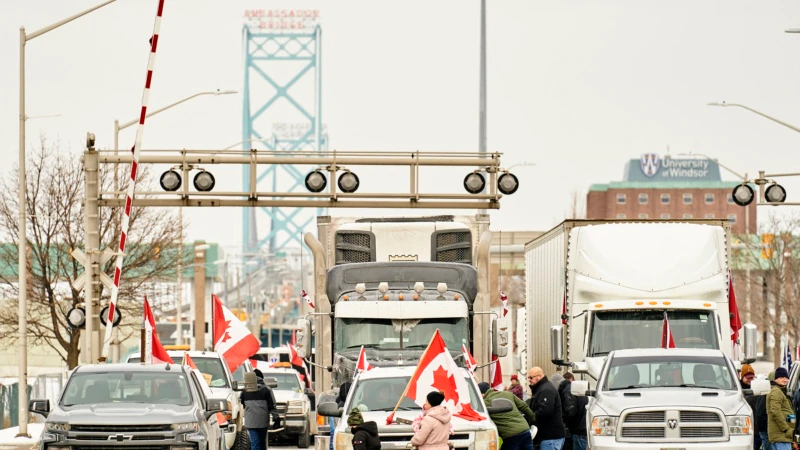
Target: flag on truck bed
154 352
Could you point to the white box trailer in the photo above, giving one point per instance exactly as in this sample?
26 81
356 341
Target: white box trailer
613 284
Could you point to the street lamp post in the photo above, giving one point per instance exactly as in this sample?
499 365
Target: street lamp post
768 117
22 272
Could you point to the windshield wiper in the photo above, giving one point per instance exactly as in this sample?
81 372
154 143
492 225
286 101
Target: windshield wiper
700 386
633 386
416 346
365 346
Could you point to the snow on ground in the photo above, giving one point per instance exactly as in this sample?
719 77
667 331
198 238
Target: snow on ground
8 435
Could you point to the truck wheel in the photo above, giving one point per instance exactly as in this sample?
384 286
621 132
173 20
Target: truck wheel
242 441
304 439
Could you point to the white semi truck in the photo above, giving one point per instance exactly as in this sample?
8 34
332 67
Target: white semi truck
388 284
595 286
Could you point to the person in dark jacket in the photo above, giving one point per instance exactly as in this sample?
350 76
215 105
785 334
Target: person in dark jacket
761 419
574 414
259 406
344 389
568 406
546 406
746 376
365 434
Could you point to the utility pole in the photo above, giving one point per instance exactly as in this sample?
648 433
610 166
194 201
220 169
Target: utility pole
179 338
92 248
199 297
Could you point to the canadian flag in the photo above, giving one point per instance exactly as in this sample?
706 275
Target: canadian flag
231 337
496 374
437 371
154 352
307 299
296 360
667 340
504 299
363 364
471 363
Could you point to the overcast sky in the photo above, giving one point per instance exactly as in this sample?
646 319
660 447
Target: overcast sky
577 87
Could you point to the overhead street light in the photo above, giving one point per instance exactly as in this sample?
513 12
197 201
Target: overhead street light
348 182
170 181
204 181
775 193
507 184
743 195
316 181
768 117
474 183
76 317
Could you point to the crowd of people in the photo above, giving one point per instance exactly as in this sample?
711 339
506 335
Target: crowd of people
775 425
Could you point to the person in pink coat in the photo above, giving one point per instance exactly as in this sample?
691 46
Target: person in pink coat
434 430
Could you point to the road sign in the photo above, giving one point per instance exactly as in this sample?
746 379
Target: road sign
80 256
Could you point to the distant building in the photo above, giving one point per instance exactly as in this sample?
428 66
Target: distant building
669 188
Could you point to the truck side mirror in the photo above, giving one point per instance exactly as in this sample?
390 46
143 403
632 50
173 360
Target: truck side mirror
760 386
557 355
578 388
580 367
500 337
271 383
303 336
329 409
41 407
750 343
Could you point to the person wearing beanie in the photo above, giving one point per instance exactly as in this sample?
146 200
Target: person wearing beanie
746 376
513 426
365 434
515 387
259 406
779 407
434 430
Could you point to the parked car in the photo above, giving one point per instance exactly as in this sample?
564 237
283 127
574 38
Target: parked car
132 406
293 404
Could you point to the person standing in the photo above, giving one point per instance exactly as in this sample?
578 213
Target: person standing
259 404
746 376
546 406
779 409
515 387
761 419
513 426
434 430
573 414
365 434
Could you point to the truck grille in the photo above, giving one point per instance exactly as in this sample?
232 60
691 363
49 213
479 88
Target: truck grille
281 408
120 428
672 425
117 447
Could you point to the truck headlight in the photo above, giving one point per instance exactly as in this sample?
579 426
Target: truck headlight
739 425
486 439
295 407
344 441
604 426
187 426
57 426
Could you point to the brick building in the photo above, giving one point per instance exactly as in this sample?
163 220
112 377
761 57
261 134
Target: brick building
669 188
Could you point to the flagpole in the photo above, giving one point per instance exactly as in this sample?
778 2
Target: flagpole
414 375
142 338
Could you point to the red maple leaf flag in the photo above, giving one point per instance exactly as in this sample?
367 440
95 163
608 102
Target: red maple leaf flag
471 363
187 360
504 299
667 340
496 374
363 364
232 340
733 310
307 299
296 360
437 371
154 352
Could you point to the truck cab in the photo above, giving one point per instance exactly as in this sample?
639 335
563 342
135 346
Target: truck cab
668 398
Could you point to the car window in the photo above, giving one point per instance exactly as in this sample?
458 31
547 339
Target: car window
127 387
286 381
213 367
238 375
669 371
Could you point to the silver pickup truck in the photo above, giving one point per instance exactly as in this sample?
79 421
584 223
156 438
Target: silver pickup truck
683 398
132 406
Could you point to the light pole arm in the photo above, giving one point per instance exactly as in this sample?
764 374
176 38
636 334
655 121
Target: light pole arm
52 27
129 123
792 127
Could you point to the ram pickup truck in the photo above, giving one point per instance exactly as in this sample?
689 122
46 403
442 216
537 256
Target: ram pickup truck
669 398
134 407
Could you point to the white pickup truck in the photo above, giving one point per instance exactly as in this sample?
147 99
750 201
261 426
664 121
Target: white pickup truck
654 399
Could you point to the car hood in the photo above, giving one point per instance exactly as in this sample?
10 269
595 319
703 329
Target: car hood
122 414
379 417
284 396
614 402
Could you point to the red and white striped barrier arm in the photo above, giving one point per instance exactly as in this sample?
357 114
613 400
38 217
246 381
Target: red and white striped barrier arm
151 61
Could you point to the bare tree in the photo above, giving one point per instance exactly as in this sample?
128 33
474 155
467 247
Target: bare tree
577 205
774 278
54 203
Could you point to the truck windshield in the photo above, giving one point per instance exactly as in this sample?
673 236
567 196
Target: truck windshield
213 367
286 381
352 333
620 330
669 371
381 394
127 387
